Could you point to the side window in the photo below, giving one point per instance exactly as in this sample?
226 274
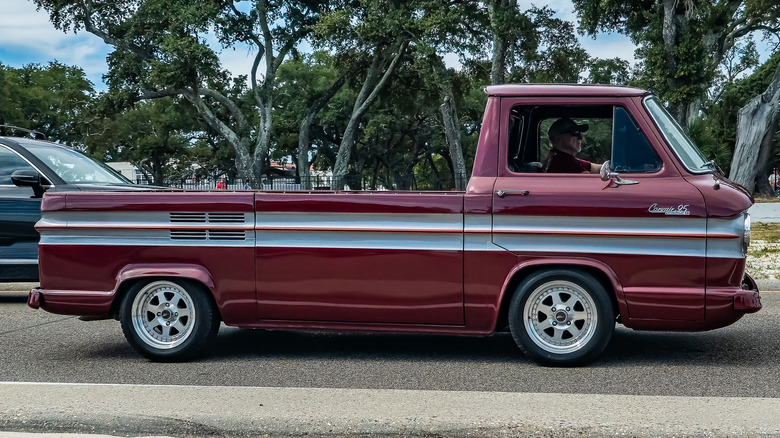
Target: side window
631 152
559 139
10 162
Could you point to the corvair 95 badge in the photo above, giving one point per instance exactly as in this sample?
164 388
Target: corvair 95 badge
680 210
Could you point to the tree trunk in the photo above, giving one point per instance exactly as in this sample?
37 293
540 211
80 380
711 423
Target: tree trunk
240 145
497 10
452 133
303 133
756 124
365 99
263 141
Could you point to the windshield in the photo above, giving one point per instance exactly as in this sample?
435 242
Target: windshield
682 145
74 167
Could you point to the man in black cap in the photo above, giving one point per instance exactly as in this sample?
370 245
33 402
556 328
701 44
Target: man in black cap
566 138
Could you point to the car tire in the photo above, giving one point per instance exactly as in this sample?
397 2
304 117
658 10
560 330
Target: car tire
168 320
561 317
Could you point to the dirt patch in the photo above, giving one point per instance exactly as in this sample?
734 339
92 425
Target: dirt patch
763 258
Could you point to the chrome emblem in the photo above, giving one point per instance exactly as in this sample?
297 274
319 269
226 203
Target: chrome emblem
680 210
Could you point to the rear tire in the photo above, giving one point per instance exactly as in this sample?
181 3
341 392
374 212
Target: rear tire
561 317
168 320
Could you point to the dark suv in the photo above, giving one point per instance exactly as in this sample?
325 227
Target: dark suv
28 168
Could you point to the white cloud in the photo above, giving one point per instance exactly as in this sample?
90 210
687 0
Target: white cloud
609 46
28 37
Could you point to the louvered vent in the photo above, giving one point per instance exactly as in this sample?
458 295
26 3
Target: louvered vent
188 217
189 234
203 218
226 218
212 235
227 235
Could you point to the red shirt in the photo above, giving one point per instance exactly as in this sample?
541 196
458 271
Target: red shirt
561 162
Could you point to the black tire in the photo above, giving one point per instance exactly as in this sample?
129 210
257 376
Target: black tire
561 317
168 320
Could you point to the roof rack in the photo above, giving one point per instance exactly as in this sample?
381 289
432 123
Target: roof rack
27 132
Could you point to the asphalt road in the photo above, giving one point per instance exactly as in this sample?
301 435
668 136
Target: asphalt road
740 360
655 377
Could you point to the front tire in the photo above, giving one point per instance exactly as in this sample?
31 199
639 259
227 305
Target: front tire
561 317
168 320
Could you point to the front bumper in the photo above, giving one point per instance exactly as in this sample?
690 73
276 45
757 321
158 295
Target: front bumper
748 300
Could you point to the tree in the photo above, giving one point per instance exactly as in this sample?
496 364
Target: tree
756 126
155 136
608 71
306 86
381 29
160 49
49 99
681 43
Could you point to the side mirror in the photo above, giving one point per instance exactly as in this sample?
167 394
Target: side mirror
30 178
607 174
606 171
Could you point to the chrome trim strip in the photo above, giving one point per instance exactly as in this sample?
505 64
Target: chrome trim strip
674 226
378 222
389 240
731 246
130 220
663 236
18 262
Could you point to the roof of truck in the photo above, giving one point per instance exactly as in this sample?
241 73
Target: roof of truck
563 90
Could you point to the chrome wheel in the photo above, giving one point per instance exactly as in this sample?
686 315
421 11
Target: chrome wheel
560 317
163 315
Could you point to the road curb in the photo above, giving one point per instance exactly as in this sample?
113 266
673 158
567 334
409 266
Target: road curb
262 411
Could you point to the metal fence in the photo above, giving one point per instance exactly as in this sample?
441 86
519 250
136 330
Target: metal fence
351 182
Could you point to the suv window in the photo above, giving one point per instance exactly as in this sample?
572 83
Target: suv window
10 162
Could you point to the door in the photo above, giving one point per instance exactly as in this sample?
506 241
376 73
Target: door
649 226
19 211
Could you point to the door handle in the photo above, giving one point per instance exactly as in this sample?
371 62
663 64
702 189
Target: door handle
502 193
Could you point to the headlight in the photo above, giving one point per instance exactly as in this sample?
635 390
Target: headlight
746 234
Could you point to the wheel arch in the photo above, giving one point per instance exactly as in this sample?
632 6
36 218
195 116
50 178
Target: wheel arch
134 273
598 270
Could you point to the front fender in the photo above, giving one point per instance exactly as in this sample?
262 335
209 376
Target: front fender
526 266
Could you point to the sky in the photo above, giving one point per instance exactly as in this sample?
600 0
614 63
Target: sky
28 37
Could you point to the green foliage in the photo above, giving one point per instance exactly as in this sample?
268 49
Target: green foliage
680 54
160 49
608 71
49 99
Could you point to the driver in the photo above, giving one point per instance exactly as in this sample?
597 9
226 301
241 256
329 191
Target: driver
566 139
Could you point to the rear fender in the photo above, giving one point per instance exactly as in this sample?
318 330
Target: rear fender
132 272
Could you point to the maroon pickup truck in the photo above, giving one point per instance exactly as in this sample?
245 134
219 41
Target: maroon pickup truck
646 232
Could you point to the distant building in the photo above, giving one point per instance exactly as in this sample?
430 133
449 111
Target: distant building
128 171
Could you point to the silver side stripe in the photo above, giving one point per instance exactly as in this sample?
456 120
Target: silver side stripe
361 240
646 227
403 222
141 237
730 246
140 220
666 236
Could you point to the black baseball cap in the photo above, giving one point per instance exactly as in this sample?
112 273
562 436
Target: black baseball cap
565 126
